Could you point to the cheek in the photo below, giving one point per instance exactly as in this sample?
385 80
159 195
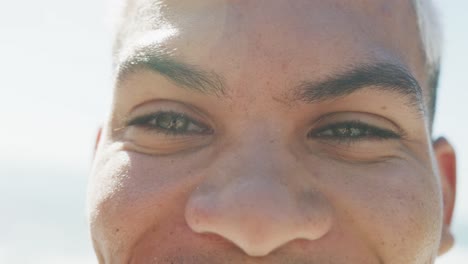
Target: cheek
131 195
106 183
395 205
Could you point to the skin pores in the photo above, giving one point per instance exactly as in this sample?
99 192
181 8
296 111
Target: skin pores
212 153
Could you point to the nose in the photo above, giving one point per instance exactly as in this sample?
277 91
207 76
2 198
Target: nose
257 199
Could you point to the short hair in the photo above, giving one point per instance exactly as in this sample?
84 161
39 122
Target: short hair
430 35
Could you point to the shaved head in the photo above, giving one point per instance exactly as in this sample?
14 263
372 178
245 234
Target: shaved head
272 131
128 15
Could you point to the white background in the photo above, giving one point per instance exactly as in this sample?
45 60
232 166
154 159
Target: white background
54 91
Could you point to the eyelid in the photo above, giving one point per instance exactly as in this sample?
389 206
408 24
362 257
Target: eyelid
139 120
378 133
375 124
370 119
154 106
143 120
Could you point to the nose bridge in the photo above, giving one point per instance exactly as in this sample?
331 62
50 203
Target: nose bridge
253 197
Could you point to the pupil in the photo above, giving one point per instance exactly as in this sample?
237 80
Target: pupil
180 123
355 132
342 131
164 121
349 131
172 122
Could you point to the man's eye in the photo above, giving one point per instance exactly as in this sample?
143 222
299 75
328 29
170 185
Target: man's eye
353 130
170 123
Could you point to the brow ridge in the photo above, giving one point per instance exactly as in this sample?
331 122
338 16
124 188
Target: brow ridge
186 75
381 76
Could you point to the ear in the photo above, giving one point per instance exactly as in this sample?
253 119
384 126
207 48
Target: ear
98 139
446 160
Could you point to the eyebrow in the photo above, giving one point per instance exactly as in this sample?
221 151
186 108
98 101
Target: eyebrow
386 77
183 74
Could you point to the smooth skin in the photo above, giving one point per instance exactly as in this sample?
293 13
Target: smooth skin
213 153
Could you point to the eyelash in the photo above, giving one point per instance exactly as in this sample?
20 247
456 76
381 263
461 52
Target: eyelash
353 131
173 119
348 131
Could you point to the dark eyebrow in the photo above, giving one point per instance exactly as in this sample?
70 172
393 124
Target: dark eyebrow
382 76
183 74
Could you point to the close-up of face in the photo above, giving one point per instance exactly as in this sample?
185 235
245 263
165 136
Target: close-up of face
271 131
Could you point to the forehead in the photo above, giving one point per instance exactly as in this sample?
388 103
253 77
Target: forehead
312 38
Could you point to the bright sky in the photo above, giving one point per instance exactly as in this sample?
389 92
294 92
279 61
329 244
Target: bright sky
55 86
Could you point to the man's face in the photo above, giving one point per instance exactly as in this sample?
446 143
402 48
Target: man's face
267 132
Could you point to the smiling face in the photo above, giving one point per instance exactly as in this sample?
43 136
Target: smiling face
270 132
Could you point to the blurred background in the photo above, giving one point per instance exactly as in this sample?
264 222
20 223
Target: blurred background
55 90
